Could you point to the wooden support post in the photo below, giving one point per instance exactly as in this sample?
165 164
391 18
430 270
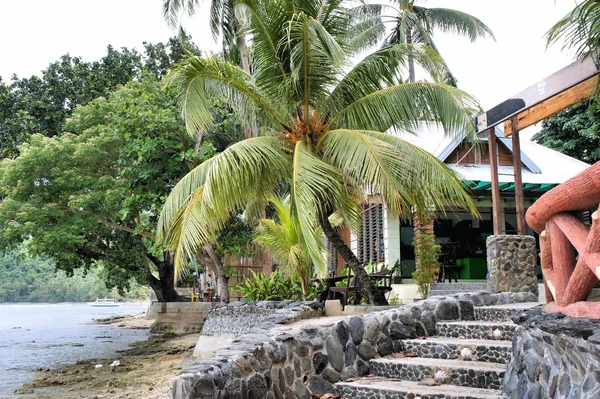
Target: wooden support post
493 149
519 201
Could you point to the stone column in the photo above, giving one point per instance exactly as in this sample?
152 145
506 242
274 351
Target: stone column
511 261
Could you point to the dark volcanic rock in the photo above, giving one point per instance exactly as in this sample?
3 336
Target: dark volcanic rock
320 361
357 329
400 331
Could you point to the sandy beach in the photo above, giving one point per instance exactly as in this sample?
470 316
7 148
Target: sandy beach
145 371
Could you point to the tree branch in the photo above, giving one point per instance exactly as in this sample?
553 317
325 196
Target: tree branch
127 229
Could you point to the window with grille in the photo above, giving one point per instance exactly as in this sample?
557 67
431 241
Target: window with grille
371 247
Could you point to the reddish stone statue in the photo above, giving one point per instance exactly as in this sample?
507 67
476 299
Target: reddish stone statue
570 250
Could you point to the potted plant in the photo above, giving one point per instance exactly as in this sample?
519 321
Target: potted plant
398 272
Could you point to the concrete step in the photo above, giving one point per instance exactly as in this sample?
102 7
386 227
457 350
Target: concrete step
502 312
460 372
381 388
442 292
477 329
459 287
450 348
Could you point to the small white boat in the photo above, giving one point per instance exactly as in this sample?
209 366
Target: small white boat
104 303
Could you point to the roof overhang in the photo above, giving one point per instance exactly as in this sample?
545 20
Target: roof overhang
569 86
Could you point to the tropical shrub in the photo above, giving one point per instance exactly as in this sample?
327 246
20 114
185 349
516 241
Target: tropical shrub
261 287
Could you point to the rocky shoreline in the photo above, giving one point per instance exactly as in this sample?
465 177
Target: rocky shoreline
146 370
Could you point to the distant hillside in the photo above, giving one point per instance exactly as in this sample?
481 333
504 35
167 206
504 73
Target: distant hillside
24 279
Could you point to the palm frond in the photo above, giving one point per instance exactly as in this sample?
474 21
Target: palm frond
264 22
386 67
247 170
408 106
173 11
433 180
200 80
315 187
314 58
579 29
453 21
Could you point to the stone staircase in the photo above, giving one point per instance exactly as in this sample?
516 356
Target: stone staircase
455 288
410 374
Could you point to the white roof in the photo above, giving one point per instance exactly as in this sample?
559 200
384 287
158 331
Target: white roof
551 166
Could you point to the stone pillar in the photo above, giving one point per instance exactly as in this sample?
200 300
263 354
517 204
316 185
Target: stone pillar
511 261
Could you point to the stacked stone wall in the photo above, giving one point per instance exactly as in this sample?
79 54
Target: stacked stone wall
511 261
278 362
238 318
554 357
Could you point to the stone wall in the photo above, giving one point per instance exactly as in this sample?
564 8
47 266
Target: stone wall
178 317
511 263
238 318
281 362
554 357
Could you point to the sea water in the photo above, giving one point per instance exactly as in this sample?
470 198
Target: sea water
42 336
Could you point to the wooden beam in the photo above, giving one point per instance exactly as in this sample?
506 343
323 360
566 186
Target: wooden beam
551 106
519 201
565 85
493 150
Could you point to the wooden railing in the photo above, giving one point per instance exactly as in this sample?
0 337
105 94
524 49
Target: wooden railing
570 249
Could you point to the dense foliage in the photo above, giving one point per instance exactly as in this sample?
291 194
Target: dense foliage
94 193
574 132
42 104
277 286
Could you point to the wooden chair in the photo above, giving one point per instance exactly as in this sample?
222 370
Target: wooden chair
343 291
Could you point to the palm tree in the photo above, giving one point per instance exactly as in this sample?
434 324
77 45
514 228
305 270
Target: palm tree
323 131
223 23
580 30
416 24
281 238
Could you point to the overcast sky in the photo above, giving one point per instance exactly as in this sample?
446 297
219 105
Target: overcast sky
35 33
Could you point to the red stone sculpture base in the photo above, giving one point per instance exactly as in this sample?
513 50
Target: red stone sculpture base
577 309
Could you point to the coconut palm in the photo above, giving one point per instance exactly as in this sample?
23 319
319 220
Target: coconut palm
281 237
417 24
580 29
323 131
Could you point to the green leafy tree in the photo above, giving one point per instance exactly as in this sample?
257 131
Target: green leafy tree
417 24
324 131
43 104
574 132
93 194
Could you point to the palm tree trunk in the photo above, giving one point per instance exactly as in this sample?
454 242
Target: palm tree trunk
243 46
411 62
423 224
375 296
